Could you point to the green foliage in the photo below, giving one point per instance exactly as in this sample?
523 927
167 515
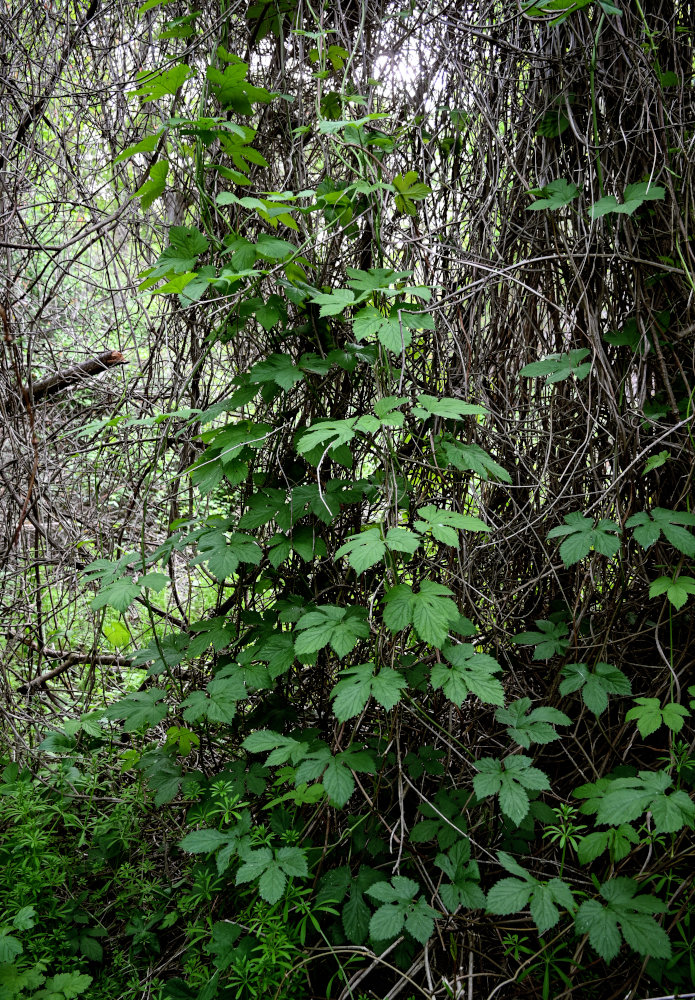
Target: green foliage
626 914
595 685
536 726
582 535
409 191
463 888
341 628
468 671
648 528
615 801
558 367
550 639
511 895
402 907
678 588
511 779
271 869
634 196
351 694
283 773
140 710
650 716
162 83
554 195
430 610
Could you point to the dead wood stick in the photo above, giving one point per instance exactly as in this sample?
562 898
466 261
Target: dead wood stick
68 659
55 383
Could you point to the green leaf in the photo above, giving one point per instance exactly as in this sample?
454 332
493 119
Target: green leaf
595 685
509 895
387 922
650 716
557 367
444 524
634 196
119 595
526 727
677 589
146 145
544 912
393 331
272 882
223 553
622 800
402 540
163 774
431 611
363 550
162 83
66 984
326 435
409 191
273 248
117 634
619 842
469 457
341 628
582 535
23 920
602 927
387 686
554 195
631 912
186 243
231 87
550 639
447 408
293 861
142 709
10 947
351 694
217 704
419 921
335 302
262 740
154 581
648 529
355 917
655 462
203 841
509 778
338 782
278 368
468 671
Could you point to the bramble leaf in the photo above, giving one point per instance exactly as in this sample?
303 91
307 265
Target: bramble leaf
650 716
676 588
554 195
557 367
649 527
341 628
628 911
351 694
467 671
550 639
595 685
537 726
509 778
582 535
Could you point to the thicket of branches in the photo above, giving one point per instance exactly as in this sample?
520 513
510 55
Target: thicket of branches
474 192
